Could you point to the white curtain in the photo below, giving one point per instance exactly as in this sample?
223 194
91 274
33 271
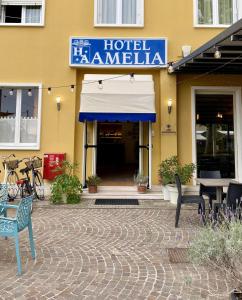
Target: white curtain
28 130
7 129
225 8
205 12
107 11
129 11
32 14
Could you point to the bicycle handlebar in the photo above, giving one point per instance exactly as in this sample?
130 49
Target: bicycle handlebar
29 158
7 157
35 157
25 158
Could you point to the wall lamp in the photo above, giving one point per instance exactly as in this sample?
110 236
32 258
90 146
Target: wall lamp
169 106
58 103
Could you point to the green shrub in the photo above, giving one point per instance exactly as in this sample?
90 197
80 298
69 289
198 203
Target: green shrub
66 184
140 179
170 166
93 180
220 247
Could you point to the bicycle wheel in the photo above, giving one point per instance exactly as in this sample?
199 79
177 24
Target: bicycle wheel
27 190
13 188
38 185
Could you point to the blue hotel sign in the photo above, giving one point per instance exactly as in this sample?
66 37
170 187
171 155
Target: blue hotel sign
118 52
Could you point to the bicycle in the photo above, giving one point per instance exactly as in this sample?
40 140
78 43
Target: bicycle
10 175
36 185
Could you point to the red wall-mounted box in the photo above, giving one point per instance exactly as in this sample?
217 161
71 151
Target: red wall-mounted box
51 162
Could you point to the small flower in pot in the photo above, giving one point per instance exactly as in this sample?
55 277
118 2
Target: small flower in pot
92 182
142 182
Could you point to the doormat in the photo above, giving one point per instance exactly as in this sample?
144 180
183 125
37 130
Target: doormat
178 255
116 202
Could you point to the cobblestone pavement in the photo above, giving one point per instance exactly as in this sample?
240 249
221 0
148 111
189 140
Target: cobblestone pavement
107 253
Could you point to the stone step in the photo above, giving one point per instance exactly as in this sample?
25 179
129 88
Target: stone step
133 188
150 195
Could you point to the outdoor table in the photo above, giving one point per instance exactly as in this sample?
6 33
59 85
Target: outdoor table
218 183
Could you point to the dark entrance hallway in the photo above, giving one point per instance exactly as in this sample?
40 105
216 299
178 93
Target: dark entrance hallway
117 154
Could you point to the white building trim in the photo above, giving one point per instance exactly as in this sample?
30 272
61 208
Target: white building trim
236 92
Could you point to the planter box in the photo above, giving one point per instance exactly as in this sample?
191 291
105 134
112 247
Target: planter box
166 192
174 192
64 198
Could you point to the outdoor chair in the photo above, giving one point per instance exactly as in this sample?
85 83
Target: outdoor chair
234 195
210 192
3 198
10 227
187 199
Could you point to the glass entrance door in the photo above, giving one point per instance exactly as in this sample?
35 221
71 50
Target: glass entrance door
117 152
215 133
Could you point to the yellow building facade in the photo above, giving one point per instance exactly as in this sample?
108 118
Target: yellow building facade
35 67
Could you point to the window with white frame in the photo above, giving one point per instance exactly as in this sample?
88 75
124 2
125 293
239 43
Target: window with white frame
119 12
19 117
216 12
29 12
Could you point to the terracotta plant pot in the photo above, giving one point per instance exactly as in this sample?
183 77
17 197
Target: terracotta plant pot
92 189
142 189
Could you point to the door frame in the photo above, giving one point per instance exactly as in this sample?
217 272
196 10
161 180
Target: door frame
237 107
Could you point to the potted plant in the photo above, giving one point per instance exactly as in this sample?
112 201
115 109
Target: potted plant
92 182
167 170
141 182
66 187
219 246
185 173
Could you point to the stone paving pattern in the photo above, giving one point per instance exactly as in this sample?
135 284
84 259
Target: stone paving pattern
107 253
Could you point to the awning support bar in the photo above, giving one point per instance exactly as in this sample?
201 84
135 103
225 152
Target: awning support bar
150 156
84 155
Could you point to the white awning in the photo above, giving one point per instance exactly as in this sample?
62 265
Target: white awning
119 99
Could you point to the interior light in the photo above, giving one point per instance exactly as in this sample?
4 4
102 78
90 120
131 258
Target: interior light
49 90
72 88
217 53
29 92
100 84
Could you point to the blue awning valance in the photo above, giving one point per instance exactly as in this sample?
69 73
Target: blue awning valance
113 117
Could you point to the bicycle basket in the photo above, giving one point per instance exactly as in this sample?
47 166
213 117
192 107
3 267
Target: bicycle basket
37 163
11 164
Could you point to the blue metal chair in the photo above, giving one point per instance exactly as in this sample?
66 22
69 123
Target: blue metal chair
10 227
3 198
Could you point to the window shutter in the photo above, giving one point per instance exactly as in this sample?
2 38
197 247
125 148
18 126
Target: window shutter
22 2
239 9
140 12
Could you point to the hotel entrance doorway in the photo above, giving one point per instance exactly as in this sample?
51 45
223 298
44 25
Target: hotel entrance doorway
117 152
